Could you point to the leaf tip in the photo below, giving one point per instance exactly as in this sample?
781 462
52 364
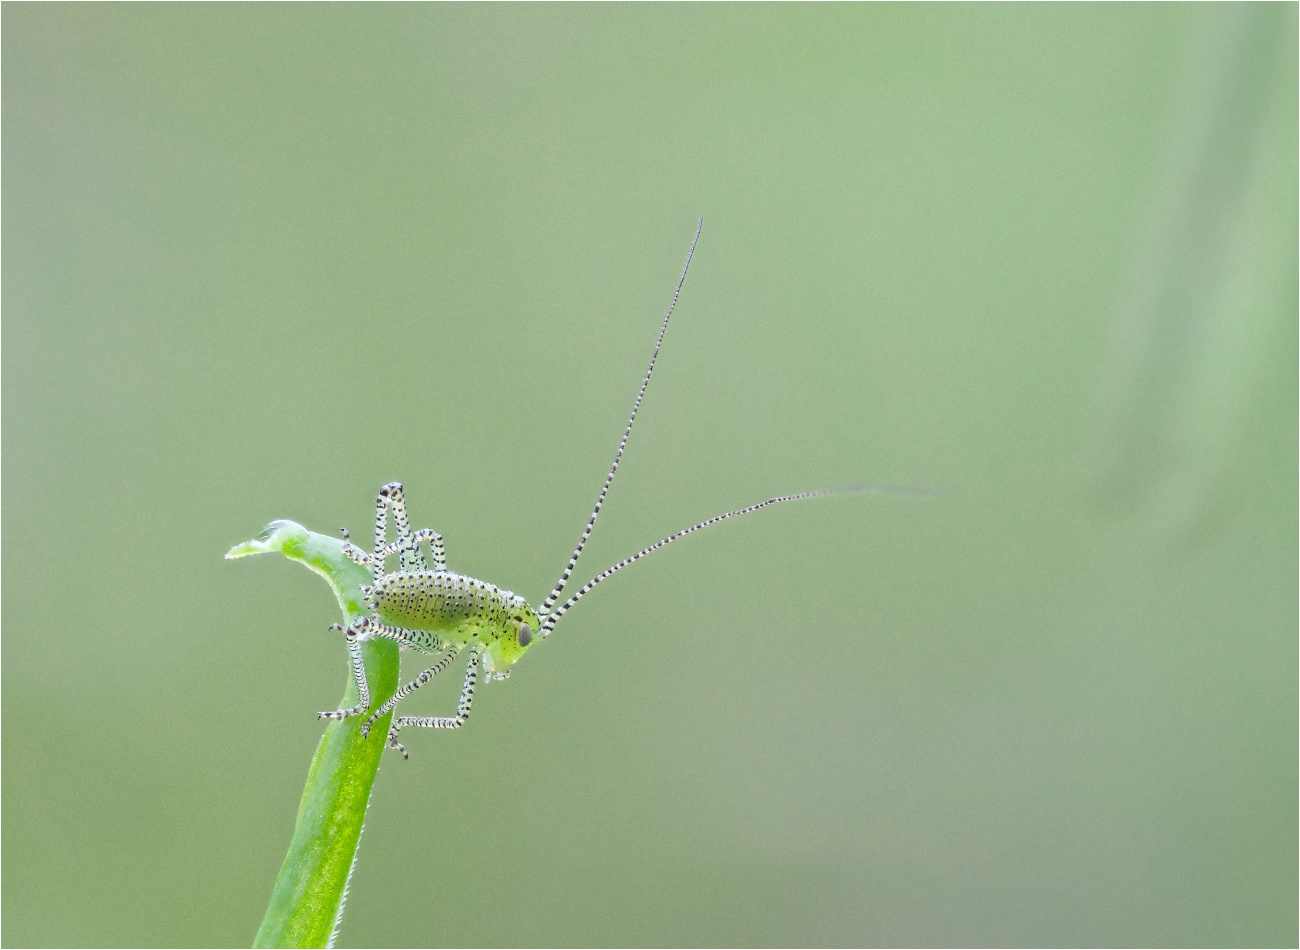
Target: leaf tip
276 536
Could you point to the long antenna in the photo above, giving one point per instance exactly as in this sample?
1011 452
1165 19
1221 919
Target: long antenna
564 578
549 623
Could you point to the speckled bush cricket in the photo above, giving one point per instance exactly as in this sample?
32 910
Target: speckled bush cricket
435 611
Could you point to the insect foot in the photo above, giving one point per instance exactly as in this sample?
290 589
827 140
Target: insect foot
394 744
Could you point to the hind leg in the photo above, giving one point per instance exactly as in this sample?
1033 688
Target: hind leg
407 545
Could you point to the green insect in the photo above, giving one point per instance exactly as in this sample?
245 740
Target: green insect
434 611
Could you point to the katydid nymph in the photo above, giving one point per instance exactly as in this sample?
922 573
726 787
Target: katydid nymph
427 608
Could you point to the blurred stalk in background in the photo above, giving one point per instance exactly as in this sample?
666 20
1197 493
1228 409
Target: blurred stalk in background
1213 285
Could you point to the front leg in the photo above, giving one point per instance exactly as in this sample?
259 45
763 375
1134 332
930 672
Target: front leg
350 550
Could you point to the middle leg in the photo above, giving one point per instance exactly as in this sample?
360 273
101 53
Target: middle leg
440 722
410 687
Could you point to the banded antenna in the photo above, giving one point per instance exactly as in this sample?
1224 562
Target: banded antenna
591 523
548 624
549 613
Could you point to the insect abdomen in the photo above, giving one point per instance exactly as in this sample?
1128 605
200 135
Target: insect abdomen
437 601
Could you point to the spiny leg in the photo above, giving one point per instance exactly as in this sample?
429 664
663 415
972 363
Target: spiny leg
353 637
364 628
440 722
354 552
407 545
381 523
409 551
415 684
422 641
435 546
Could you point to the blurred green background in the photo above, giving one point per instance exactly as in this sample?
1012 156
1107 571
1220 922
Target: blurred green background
260 260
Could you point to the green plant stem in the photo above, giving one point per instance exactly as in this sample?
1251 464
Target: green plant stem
307 901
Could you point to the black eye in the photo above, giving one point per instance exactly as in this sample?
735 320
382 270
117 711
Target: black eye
525 635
